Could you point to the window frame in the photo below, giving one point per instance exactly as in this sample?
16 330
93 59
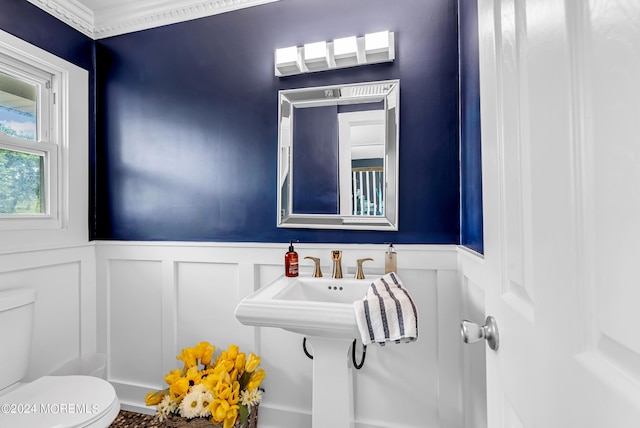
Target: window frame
49 142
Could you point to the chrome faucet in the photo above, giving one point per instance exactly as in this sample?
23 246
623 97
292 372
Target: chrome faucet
336 256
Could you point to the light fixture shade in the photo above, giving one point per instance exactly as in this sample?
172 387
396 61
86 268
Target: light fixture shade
379 47
288 61
316 56
345 51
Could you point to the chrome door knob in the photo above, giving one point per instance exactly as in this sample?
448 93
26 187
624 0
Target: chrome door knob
472 332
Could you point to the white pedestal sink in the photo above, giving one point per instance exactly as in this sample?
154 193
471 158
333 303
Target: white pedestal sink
322 310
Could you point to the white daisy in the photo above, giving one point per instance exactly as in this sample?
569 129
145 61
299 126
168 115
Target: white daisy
191 405
252 398
166 407
206 398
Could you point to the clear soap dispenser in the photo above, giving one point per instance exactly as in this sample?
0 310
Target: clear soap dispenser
390 263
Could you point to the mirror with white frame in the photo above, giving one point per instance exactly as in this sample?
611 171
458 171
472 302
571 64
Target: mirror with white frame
338 156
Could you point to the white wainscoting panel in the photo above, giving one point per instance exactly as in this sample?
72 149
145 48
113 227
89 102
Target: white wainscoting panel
134 348
65 316
206 298
156 298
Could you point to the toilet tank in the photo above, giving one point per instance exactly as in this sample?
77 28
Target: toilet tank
16 327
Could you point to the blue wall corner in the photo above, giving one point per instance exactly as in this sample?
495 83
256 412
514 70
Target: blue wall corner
31 24
471 228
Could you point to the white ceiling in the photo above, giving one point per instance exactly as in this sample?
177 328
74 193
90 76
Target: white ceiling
105 18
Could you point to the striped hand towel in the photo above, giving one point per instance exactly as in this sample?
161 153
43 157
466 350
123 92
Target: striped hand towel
387 313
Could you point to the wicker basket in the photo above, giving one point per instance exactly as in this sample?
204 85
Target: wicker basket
175 421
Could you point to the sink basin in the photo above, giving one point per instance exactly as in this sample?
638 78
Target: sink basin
324 290
310 306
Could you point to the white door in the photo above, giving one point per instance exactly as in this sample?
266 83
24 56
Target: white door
560 107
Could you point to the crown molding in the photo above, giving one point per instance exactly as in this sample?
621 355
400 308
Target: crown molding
141 15
135 16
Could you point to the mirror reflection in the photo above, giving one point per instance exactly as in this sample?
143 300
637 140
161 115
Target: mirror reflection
338 156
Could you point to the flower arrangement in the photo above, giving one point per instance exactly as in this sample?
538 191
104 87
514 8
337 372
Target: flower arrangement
223 390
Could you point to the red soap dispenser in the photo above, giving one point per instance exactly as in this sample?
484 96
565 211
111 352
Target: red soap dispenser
291 261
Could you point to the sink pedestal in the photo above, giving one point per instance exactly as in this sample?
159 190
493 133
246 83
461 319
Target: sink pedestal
321 309
332 383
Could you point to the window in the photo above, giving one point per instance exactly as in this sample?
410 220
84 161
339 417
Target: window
29 149
44 148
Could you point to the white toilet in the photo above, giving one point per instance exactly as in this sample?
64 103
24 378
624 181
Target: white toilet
50 401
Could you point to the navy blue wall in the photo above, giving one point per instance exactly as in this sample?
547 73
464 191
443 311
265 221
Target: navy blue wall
31 24
187 126
470 154
216 57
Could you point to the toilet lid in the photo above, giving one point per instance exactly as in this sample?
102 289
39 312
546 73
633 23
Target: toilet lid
59 402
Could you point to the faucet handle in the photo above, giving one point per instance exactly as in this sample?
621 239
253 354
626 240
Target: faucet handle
359 272
336 256
317 273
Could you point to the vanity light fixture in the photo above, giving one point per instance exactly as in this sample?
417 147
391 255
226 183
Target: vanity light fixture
288 60
343 52
378 46
316 56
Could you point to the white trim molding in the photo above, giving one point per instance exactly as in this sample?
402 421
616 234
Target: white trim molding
121 18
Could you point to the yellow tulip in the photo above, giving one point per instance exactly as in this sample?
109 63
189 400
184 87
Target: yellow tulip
203 351
178 389
232 352
222 391
172 376
240 359
223 377
154 398
223 412
252 363
199 349
255 379
224 366
232 415
219 368
218 410
207 355
188 357
234 396
209 381
233 375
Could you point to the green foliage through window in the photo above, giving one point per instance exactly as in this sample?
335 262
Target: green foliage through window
21 182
